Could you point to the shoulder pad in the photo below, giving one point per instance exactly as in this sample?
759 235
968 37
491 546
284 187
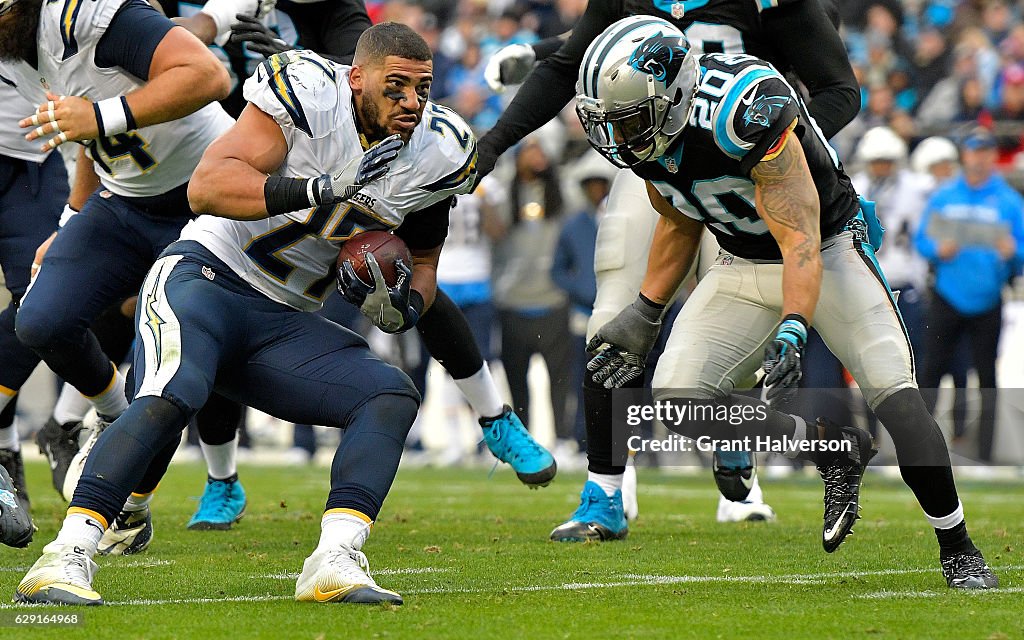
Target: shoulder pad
756 107
299 89
79 22
449 156
765 5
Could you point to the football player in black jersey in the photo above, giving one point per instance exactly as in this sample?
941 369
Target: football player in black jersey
781 31
723 142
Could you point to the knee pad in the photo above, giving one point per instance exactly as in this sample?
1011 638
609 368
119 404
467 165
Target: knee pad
38 328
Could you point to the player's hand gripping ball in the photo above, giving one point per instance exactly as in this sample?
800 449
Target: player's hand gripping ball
375 274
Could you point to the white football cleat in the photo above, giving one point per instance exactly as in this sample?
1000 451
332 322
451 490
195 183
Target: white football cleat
340 574
746 511
131 533
629 504
62 575
94 426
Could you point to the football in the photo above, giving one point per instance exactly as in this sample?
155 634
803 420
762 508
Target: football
386 249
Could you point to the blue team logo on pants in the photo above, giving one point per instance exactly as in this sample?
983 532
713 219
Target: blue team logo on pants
760 111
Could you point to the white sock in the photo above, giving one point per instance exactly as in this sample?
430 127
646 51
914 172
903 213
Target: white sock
81 530
482 393
610 483
111 402
138 502
799 433
220 458
71 406
947 522
755 495
343 526
9 437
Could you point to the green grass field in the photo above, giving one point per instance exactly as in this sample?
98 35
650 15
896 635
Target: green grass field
471 557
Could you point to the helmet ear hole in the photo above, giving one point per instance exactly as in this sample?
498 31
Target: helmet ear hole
678 97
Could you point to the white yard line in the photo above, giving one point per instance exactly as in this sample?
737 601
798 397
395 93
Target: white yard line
130 564
628 580
892 595
381 572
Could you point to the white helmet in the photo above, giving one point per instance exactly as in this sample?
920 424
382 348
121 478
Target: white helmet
635 87
881 143
932 151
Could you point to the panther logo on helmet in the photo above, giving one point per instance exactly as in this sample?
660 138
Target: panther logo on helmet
659 55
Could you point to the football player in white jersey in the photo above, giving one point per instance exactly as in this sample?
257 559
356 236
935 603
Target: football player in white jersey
447 332
33 189
226 307
116 76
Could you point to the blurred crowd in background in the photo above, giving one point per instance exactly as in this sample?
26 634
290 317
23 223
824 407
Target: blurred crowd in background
519 257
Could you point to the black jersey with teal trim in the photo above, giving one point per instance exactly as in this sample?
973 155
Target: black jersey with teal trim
741 108
794 35
716 26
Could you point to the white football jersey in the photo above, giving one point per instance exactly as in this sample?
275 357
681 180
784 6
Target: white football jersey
12 137
146 162
466 258
291 257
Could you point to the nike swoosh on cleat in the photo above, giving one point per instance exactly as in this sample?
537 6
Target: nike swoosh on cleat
327 596
831 533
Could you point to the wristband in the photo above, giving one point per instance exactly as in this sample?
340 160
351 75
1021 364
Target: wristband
113 116
284 195
793 329
66 215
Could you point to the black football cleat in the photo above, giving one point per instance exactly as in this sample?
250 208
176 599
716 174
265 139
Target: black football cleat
842 473
735 472
16 527
968 570
59 443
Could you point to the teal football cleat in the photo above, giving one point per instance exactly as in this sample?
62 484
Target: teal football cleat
599 517
222 505
510 442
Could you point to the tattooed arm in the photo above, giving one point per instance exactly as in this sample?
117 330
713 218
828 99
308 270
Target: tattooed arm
787 201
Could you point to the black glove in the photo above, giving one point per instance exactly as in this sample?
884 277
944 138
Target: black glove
486 158
372 165
250 32
782 359
391 309
629 337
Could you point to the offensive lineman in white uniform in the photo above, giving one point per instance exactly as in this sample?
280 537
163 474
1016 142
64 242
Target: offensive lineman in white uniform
224 307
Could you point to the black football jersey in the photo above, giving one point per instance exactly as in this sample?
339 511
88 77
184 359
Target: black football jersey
713 26
740 109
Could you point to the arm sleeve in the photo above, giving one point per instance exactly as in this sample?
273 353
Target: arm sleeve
426 228
552 84
804 26
543 49
340 31
131 38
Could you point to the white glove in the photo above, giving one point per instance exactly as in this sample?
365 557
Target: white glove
510 65
223 13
